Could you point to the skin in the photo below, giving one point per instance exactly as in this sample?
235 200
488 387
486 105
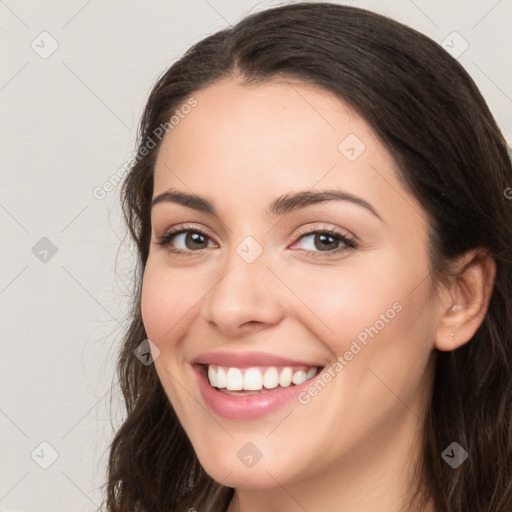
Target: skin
354 443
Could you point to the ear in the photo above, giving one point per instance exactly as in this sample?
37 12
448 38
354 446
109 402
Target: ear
465 299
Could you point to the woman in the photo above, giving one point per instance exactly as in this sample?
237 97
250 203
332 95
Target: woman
325 277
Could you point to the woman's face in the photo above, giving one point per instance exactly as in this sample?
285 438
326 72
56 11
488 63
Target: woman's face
303 258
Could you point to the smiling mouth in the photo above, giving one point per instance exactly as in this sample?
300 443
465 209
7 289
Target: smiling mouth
257 380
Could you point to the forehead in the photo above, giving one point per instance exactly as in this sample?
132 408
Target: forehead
272 138
279 110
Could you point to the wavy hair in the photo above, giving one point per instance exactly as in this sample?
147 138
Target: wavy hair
450 155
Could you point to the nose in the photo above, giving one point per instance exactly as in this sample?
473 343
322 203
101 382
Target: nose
247 297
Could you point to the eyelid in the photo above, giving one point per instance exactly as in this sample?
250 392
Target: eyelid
306 230
301 232
180 228
350 241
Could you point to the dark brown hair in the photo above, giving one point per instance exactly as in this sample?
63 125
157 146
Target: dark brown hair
450 154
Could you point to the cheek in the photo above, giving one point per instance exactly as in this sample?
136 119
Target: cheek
167 298
343 301
384 302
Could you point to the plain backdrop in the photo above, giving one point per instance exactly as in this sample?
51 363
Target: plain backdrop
74 77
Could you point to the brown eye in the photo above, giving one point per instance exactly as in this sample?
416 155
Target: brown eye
325 241
193 239
185 241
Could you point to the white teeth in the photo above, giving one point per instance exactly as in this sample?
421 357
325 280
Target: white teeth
299 377
253 380
257 379
285 377
221 377
234 380
212 376
310 374
271 378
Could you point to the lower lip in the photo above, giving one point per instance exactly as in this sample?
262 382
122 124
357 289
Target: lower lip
246 407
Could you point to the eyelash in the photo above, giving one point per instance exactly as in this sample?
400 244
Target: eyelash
350 244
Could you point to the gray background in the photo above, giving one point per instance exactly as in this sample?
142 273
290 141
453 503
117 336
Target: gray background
69 120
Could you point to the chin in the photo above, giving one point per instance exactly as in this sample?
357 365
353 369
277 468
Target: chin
247 478
228 467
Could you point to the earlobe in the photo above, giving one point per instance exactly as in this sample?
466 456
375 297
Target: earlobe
465 300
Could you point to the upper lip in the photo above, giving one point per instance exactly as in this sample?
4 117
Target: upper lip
248 360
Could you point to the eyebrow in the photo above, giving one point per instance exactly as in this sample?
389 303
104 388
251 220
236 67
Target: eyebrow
282 205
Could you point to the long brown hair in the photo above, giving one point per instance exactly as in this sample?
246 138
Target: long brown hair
451 155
